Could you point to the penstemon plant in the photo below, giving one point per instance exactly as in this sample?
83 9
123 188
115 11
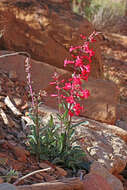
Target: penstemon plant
35 136
56 142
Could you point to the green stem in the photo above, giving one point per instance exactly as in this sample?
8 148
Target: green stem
68 127
59 108
37 131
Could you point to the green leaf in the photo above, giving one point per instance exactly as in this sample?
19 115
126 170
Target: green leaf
51 123
32 137
60 106
71 134
59 116
58 160
84 165
65 114
64 105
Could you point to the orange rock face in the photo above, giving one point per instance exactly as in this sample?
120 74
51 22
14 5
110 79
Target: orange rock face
96 182
46 30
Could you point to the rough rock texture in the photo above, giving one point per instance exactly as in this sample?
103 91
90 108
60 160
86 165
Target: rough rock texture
99 143
122 124
41 73
65 184
45 29
5 186
95 182
101 105
98 169
104 147
122 112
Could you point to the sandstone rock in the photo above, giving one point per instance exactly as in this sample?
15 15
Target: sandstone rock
46 30
122 124
17 165
65 184
2 134
115 183
102 142
41 73
122 112
39 176
97 126
13 75
18 101
5 186
95 182
20 153
104 147
0 88
8 161
1 180
101 105
61 171
43 165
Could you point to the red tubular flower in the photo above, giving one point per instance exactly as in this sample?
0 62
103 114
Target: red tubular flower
77 108
71 113
58 88
66 62
84 94
82 36
70 99
67 86
87 67
52 83
74 48
56 76
71 92
79 62
54 95
62 96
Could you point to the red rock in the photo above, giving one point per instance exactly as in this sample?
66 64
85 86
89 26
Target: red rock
12 75
6 160
44 165
95 182
20 153
16 165
122 112
61 171
39 176
3 158
1 180
8 186
2 105
47 30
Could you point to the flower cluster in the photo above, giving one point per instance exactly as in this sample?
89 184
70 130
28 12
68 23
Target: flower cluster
71 92
28 67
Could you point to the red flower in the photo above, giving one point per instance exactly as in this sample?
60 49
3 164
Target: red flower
84 94
70 100
77 108
71 113
67 86
71 92
54 95
74 48
66 62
